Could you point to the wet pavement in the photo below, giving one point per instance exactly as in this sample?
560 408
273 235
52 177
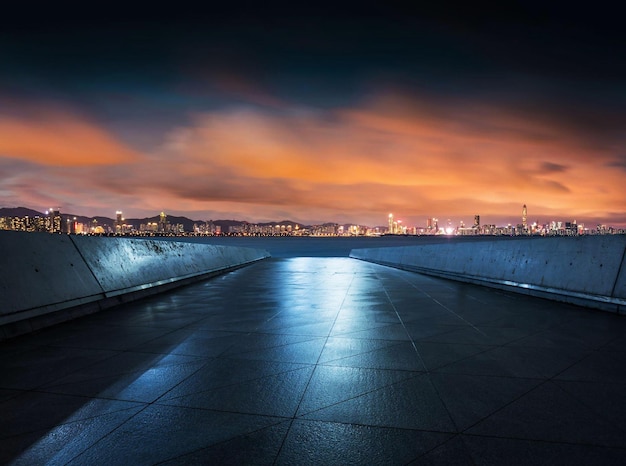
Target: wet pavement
320 361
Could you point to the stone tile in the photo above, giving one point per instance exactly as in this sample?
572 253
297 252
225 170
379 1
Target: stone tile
260 447
532 319
604 399
414 316
193 343
498 451
298 318
401 356
8 394
274 395
606 367
110 338
470 399
332 385
454 451
222 373
409 404
65 441
256 342
596 329
305 352
551 338
37 411
165 317
478 314
479 336
36 367
16 346
237 323
315 442
372 321
427 330
437 355
518 361
617 344
548 413
142 386
164 432
336 349
124 365
317 329
421 310
387 332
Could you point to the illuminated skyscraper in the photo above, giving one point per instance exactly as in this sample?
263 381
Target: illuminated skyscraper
524 217
391 229
119 222
54 221
163 222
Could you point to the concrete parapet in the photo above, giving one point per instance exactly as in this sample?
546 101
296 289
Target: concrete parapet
47 279
587 270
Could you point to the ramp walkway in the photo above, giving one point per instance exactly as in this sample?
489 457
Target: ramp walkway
320 361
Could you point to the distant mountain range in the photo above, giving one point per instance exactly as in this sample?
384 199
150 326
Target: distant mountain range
186 222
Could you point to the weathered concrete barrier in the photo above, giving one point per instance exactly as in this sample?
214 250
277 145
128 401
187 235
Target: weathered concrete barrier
45 279
587 270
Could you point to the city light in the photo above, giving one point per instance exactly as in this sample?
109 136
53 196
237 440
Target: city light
53 221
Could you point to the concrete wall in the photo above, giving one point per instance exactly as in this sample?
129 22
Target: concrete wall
47 278
586 270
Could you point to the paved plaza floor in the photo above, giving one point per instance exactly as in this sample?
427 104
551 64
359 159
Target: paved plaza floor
320 361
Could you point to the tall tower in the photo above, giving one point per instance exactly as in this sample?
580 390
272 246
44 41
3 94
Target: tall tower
54 221
162 222
524 217
119 220
391 232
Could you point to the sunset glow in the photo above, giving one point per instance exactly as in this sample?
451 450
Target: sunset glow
223 145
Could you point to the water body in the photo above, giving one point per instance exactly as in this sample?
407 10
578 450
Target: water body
306 246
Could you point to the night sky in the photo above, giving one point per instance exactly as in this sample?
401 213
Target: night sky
317 114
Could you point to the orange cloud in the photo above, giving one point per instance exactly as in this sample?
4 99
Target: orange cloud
60 139
416 159
396 156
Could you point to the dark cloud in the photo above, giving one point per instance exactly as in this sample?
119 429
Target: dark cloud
550 167
451 47
553 186
548 64
618 163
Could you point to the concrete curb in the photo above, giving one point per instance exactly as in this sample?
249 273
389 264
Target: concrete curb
588 271
53 278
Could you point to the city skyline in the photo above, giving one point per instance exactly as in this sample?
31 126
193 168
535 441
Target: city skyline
53 221
318 116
